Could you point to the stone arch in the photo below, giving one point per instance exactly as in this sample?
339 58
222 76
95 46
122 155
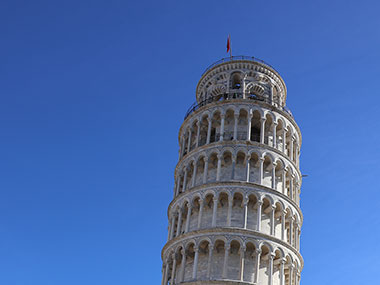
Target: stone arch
237 210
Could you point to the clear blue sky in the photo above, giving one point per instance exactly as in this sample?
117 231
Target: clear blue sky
92 97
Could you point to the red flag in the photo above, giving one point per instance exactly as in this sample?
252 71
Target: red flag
228 43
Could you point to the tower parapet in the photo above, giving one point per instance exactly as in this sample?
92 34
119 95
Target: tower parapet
235 214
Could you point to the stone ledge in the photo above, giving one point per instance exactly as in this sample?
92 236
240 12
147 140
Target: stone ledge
215 282
237 184
231 231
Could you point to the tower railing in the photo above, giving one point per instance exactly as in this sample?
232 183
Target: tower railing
239 57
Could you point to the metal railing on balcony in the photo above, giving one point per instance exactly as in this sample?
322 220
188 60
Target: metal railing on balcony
223 97
238 57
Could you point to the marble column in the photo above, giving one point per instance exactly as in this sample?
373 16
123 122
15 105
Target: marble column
208 130
257 266
172 282
195 265
236 120
225 263
262 130
259 205
201 201
214 211
188 217
222 116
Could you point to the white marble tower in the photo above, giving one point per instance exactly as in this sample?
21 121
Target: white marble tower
235 216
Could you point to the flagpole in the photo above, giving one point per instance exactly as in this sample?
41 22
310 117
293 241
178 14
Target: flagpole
230 48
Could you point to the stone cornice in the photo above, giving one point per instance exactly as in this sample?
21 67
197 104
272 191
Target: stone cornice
236 184
230 231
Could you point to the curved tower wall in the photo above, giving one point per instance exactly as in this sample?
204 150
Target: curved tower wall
235 214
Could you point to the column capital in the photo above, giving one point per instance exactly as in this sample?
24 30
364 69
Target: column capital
210 247
219 156
260 202
198 123
283 261
242 249
236 116
173 255
215 199
222 115
272 255
258 251
261 159
196 248
227 246
263 119
183 251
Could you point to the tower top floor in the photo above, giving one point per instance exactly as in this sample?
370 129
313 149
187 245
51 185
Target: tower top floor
241 77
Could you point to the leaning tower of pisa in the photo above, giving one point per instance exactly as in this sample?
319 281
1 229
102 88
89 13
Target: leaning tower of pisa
235 215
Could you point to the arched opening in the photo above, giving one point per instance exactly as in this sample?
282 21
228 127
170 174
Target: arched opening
200 171
233 266
276 268
218 260
222 210
226 169
236 81
266 216
256 92
240 167
278 220
255 126
253 168
194 215
279 170
249 263
202 260
229 124
288 270
207 211
252 212
212 168
268 130
193 139
189 262
203 131
215 127
242 125
264 263
190 173
267 172
280 135
237 211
